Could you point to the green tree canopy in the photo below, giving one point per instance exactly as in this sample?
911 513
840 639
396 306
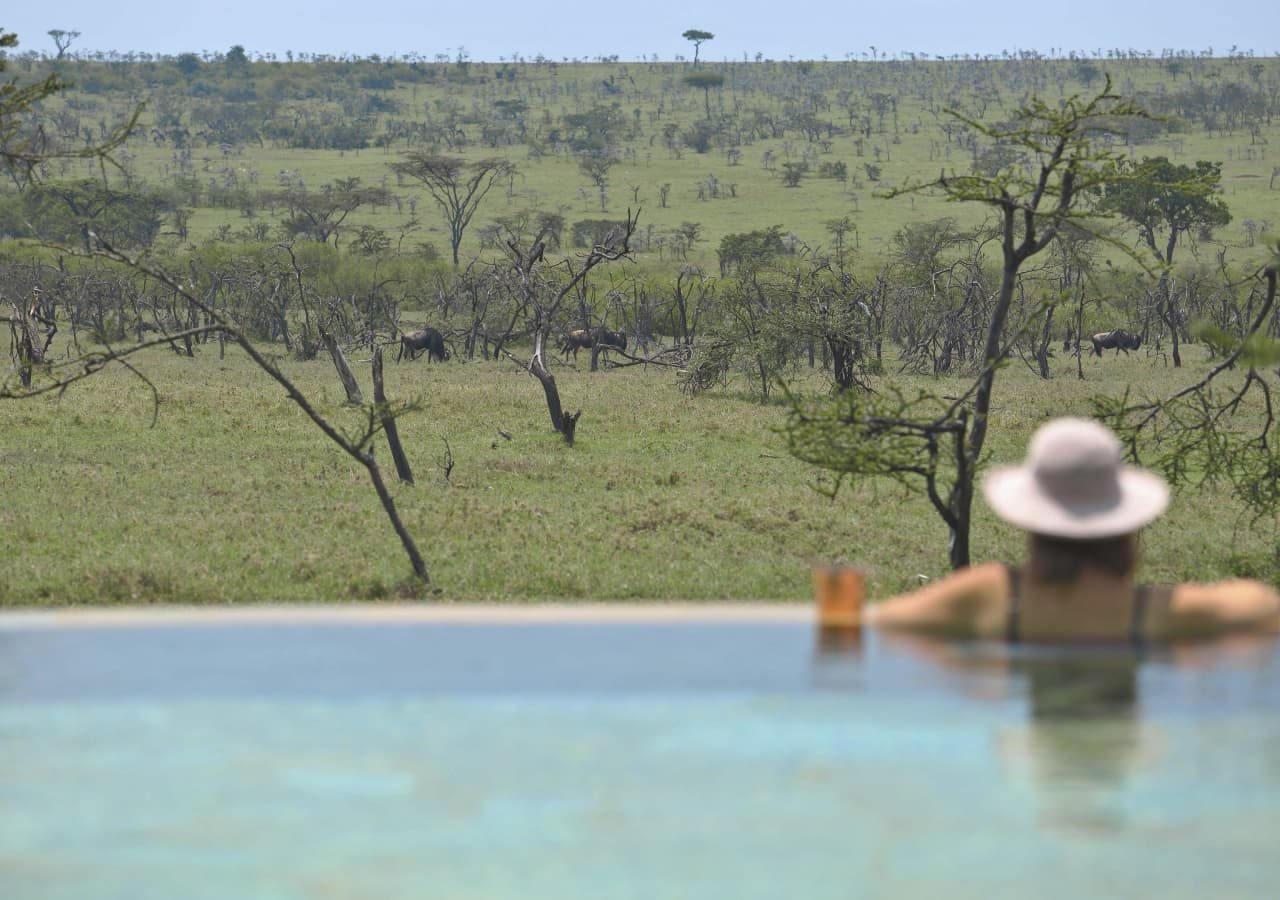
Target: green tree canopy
706 81
1161 198
320 215
65 212
237 60
595 130
458 186
1166 200
698 37
936 443
750 248
188 64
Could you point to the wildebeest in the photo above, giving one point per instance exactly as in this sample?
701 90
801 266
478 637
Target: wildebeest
414 342
583 338
575 341
1116 340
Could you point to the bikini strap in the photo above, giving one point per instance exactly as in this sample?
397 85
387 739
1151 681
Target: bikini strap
1142 594
1011 617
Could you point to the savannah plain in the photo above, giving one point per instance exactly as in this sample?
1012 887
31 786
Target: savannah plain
195 479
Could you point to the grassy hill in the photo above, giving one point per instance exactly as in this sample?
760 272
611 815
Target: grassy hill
222 138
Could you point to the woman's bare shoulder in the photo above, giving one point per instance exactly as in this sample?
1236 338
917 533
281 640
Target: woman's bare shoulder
1239 604
967 603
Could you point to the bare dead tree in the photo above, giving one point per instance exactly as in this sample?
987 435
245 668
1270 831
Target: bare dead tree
444 462
349 383
691 297
543 290
27 349
388 419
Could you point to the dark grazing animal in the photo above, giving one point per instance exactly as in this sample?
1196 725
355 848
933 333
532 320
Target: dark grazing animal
575 341
584 338
614 339
427 339
1116 340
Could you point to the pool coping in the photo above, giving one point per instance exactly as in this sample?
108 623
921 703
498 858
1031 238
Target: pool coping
401 613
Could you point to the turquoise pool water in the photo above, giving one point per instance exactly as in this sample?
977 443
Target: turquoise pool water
629 760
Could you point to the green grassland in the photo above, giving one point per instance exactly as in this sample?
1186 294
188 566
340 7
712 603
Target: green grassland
233 496
888 114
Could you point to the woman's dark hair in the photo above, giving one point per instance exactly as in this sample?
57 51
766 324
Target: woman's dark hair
1061 560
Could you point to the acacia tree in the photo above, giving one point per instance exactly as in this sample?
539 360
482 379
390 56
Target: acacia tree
62 39
928 438
706 81
457 186
1164 199
64 211
698 37
321 214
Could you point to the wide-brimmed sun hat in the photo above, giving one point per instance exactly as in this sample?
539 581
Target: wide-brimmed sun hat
1075 484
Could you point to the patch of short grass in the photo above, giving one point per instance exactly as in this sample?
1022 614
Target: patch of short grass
232 496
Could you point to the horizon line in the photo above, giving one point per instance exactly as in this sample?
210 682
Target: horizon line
1053 54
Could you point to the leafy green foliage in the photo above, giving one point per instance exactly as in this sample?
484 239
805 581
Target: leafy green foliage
750 248
1161 198
1198 434
698 37
321 215
705 81
457 185
1195 446
64 212
886 434
590 232
597 129
793 173
1033 205
1257 350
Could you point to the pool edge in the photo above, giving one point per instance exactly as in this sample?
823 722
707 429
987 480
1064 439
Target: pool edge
480 614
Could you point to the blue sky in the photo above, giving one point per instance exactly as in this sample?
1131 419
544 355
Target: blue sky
800 29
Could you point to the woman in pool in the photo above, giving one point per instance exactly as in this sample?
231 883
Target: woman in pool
1082 509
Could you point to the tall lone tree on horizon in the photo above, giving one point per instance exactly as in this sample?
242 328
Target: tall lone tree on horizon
62 39
697 36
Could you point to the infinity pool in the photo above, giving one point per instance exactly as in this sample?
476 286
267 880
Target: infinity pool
620 753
